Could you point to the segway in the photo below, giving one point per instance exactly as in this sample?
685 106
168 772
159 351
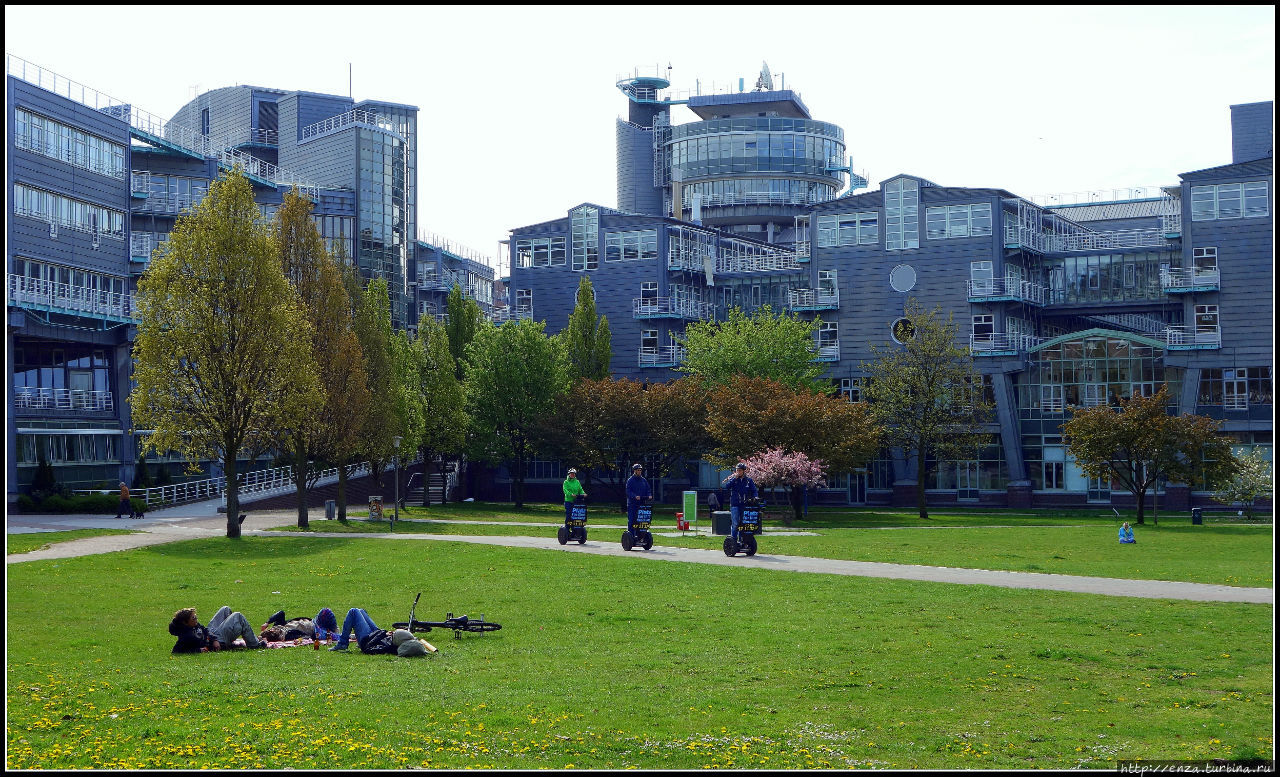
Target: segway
576 528
639 533
748 527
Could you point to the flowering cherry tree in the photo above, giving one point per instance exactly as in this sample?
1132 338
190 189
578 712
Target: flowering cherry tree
777 467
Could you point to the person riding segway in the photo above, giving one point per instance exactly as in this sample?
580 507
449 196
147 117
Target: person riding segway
575 511
639 510
743 494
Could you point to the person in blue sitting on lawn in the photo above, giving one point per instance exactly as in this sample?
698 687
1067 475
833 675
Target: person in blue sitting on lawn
741 488
1126 534
637 492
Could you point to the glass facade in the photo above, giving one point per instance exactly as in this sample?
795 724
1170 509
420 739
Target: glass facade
585 234
1108 277
541 252
755 144
1091 371
902 214
66 212
383 215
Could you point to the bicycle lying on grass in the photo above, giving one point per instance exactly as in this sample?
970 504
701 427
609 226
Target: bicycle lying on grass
459 624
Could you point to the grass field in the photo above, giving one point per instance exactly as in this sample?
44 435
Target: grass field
1220 553
25 543
616 662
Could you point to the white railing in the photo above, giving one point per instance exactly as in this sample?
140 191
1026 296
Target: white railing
51 147
169 202
1193 336
1235 402
1001 341
1120 238
649 307
827 353
449 246
1135 321
802 249
510 313
812 298
662 356
762 198
248 135
1177 278
761 262
1008 286
140 245
140 181
30 398
349 119
1171 223
65 297
1098 196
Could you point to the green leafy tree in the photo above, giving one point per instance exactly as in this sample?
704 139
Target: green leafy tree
1250 481
461 322
1139 444
766 345
44 483
444 429
927 395
513 374
223 351
388 408
587 337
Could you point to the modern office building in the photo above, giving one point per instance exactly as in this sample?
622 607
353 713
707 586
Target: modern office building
97 184
1064 301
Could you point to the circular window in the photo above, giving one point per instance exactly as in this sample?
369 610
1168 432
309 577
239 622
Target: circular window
902 330
903 278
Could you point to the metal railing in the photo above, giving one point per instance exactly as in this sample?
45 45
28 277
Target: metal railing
827 353
449 246
249 136
1235 402
1098 196
662 356
29 398
1153 237
765 262
1008 286
1171 223
350 119
1193 336
762 198
140 245
168 203
1180 278
52 148
813 298
1000 341
512 313
63 297
1132 321
671 307
140 182
59 222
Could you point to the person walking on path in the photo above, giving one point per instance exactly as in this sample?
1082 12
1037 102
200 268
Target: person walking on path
741 488
126 506
572 490
638 492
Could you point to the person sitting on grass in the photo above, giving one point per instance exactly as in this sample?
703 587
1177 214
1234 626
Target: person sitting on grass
373 640
218 635
278 629
1126 534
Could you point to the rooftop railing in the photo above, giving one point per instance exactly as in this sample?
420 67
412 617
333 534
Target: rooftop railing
245 136
29 398
65 298
1099 196
1000 342
454 247
349 119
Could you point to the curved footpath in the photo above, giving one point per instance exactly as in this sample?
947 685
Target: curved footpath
173 526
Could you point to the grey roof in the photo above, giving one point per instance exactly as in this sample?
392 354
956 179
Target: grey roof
1105 211
1255 167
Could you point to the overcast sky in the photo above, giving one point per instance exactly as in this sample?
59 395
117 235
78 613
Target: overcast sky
517 104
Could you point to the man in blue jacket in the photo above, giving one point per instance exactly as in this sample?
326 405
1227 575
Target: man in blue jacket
637 491
741 488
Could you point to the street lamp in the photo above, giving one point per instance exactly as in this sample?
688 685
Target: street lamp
395 510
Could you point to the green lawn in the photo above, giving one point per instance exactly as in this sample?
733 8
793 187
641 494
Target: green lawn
1220 553
25 543
617 662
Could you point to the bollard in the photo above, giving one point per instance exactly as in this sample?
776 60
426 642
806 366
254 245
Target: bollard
1197 517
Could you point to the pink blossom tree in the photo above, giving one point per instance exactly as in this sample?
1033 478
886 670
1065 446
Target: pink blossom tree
780 468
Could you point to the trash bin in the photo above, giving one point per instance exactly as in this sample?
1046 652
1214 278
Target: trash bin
1197 517
330 509
375 508
721 522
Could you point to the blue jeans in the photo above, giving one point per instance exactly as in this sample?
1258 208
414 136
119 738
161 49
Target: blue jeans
568 511
735 518
357 620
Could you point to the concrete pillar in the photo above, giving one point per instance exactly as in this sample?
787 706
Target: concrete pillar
1010 433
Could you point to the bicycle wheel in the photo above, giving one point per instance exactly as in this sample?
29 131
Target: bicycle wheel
477 626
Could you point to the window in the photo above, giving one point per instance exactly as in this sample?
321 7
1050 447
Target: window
958 221
848 229
648 290
540 252
851 389
1205 258
1235 391
1229 201
65 212
984 327
1053 475
622 246
524 301
47 137
982 277
1206 318
585 229
901 207
649 340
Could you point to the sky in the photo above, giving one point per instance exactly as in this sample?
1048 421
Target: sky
517 105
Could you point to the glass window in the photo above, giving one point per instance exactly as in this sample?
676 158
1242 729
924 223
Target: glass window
1229 201
901 204
585 232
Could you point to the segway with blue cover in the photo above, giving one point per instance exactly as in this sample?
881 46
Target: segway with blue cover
639 533
748 527
576 527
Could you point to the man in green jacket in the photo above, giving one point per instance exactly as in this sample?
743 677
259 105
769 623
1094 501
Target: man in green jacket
572 490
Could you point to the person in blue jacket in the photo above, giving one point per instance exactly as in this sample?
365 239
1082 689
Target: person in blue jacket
741 488
637 491
1126 534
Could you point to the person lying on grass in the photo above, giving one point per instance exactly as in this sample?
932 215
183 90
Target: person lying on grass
277 629
373 640
218 635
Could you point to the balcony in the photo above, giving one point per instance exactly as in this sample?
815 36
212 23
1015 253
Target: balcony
140 247
662 356
1001 344
249 136
167 203
1192 338
827 352
813 299
769 261
139 183
671 307
27 398
502 315
48 296
1186 281
1008 289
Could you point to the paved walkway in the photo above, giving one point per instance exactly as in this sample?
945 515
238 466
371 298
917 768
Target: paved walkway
176 524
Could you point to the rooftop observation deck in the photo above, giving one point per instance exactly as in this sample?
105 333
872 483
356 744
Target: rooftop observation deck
784 101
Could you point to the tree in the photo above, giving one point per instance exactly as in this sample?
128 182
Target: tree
513 374
779 347
752 415
1252 479
141 474
388 408
587 338
461 322
1139 444
223 350
779 468
444 430
927 395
